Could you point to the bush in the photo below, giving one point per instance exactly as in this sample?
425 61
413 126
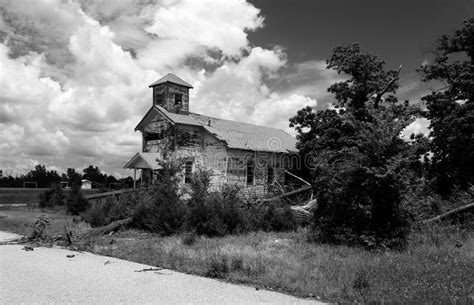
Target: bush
76 203
161 210
52 197
215 214
278 219
360 207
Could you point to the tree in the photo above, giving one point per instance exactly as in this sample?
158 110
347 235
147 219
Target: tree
451 110
73 177
43 177
76 203
360 164
93 174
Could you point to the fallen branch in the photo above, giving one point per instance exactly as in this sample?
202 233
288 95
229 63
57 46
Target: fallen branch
106 229
303 213
299 178
451 212
301 190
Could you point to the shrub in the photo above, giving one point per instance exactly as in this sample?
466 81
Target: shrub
278 219
206 217
103 213
52 197
215 214
76 203
161 210
360 207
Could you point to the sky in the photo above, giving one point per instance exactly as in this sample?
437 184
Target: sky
74 74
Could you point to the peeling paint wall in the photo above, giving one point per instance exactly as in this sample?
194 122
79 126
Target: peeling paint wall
242 161
158 136
227 166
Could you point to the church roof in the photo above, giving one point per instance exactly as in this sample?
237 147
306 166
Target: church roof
171 78
234 134
144 161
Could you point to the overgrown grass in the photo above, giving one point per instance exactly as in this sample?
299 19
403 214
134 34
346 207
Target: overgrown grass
436 268
426 273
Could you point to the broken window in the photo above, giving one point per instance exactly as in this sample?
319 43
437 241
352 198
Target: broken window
250 172
178 99
151 136
188 171
270 175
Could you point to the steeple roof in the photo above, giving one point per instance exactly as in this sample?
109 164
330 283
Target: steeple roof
171 78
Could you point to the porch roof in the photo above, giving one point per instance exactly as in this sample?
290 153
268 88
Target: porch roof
143 160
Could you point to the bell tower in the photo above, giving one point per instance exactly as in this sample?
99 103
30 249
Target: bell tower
171 93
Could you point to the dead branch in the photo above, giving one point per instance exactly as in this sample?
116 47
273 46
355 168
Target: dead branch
299 178
303 213
379 95
284 195
106 229
451 212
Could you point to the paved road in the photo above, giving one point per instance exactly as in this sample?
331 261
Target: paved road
47 275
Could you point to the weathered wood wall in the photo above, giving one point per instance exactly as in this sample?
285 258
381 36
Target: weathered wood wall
227 166
168 90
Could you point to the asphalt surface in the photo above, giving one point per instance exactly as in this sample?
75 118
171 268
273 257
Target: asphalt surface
48 275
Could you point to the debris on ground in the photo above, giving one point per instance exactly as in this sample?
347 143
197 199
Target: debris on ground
70 255
149 269
27 248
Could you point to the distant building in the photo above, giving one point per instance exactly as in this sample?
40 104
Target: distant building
86 184
249 156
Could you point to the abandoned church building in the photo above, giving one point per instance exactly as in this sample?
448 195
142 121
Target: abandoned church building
246 155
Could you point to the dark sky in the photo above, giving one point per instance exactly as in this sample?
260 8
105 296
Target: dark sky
398 31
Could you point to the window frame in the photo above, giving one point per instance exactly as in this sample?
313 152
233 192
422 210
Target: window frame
250 165
180 102
188 174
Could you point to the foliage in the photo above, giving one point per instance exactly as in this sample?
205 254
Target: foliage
451 110
360 163
103 213
162 211
204 215
76 203
52 197
216 213
278 218
42 177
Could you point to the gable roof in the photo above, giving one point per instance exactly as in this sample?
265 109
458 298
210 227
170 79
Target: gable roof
171 78
234 134
144 160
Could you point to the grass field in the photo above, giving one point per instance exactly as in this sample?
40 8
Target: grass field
25 195
436 268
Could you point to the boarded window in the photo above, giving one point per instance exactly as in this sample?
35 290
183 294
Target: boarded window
270 175
159 97
188 172
250 172
178 99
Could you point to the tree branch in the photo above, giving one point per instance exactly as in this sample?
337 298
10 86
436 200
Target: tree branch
379 95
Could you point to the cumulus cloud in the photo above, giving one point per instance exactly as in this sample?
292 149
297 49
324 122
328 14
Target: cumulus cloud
75 74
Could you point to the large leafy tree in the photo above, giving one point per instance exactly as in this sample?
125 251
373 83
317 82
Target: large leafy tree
360 163
451 109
